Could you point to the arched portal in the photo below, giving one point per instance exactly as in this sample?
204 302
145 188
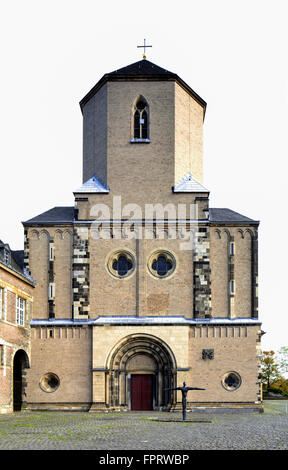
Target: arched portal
140 368
20 362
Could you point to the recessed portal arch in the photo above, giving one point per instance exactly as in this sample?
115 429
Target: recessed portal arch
141 354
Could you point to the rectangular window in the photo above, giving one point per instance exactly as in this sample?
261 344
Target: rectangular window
1 302
51 291
20 311
7 257
51 252
232 249
1 354
232 287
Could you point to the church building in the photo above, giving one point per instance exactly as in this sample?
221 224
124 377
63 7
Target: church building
141 285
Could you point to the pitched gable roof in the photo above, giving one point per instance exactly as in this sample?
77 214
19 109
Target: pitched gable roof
142 70
224 215
54 215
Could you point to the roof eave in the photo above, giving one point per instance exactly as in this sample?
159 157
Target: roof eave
234 222
42 223
17 274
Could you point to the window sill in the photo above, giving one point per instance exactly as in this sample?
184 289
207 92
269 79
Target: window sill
139 141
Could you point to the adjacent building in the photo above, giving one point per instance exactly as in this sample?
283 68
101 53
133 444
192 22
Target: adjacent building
16 300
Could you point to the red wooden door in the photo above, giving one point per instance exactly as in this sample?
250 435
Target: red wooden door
141 392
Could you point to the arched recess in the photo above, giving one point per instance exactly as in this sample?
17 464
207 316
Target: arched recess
35 235
243 270
63 273
20 362
141 354
39 267
219 246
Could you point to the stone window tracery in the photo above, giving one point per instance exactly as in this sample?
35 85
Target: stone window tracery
231 381
121 264
140 121
161 264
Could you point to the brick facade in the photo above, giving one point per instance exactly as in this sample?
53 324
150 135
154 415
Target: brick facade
15 345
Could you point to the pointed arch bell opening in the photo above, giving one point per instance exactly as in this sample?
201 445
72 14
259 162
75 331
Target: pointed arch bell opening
140 120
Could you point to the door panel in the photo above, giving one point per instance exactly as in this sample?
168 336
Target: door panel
141 392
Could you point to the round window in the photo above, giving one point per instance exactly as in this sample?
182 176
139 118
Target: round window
231 381
121 264
49 382
161 264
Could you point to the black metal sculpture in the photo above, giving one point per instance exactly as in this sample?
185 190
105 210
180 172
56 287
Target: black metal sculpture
184 391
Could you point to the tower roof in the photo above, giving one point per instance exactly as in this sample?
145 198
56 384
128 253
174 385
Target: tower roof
142 67
93 185
142 70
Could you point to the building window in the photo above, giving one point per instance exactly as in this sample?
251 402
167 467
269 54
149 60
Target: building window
51 291
7 257
231 381
49 382
161 264
51 252
232 287
20 311
140 121
1 302
1 354
207 354
121 264
232 249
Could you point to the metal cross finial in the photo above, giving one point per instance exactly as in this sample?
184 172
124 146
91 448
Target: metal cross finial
145 45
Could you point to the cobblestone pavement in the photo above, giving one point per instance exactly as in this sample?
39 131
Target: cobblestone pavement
146 430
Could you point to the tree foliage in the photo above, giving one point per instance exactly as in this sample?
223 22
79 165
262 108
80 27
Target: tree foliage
269 368
272 368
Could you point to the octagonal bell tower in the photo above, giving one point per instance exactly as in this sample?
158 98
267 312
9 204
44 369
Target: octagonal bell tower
142 133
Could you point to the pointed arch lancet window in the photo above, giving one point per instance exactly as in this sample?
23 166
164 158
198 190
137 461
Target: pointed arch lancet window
141 121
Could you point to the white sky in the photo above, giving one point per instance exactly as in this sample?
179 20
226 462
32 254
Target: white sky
232 53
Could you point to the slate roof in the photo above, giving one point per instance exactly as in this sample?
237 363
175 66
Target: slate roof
16 262
18 256
62 215
93 185
227 215
142 67
54 215
145 70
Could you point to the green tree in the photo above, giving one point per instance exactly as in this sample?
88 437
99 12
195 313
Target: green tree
280 386
269 368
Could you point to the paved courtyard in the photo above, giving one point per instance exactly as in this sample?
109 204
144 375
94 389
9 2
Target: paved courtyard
146 430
